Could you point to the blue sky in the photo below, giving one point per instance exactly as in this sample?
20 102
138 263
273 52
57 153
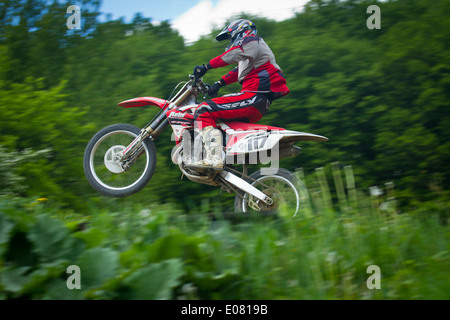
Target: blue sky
194 18
157 10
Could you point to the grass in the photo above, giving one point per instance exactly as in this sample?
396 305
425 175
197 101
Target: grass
324 253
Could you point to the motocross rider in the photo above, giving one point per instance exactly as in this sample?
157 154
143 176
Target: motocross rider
262 82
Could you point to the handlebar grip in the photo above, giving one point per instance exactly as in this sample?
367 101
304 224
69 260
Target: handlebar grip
194 79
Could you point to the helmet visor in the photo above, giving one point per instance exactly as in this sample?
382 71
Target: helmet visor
224 35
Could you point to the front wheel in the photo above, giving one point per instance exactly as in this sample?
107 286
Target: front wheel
288 193
107 173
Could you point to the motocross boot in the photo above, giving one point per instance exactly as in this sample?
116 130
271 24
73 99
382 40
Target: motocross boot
212 141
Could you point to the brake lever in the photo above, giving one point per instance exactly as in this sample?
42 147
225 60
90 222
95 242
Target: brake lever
203 88
194 80
207 87
204 92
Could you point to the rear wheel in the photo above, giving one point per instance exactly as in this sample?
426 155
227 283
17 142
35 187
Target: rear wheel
288 193
107 173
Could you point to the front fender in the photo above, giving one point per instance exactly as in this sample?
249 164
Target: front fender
145 101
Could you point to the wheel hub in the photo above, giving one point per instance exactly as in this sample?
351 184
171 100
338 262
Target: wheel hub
112 156
258 205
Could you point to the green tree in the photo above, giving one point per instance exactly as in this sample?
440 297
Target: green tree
35 118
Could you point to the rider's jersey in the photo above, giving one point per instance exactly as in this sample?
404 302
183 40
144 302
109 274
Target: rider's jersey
257 69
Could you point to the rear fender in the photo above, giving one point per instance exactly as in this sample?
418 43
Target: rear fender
293 136
249 142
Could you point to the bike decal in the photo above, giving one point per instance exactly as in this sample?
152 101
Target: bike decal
257 142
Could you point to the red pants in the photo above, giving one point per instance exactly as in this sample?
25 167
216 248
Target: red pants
245 107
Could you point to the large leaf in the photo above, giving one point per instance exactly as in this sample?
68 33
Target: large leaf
175 246
92 237
96 266
210 281
156 281
24 281
5 229
51 240
57 290
14 279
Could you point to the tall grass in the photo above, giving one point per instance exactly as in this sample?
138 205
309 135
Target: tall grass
156 253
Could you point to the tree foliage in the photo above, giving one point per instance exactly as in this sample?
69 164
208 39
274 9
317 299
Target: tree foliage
381 96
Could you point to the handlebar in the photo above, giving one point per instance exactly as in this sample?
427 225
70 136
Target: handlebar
198 83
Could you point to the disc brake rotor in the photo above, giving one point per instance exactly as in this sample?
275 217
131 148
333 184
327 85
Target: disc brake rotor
111 159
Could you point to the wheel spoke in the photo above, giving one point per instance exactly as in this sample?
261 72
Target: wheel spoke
107 171
283 192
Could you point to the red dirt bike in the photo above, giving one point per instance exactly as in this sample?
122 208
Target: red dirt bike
121 159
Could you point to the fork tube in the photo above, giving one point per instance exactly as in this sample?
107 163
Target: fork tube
152 127
165 123
183 97
133 146
148 131
160 129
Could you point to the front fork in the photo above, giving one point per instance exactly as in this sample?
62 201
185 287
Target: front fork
134 150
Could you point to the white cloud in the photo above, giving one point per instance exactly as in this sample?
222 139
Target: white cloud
203 17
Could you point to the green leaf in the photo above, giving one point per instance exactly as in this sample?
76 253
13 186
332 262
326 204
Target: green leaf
210 281
23 281
5 229
92 237
98 265
14 279
52 241
57 290
156 281
174 246
136 256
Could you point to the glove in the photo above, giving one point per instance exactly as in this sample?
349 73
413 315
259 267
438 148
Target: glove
214 89
200 71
